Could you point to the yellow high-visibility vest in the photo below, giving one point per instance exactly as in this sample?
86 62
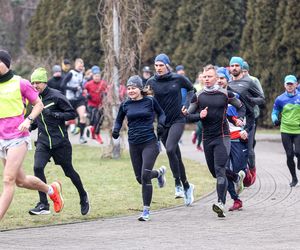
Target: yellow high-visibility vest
11 103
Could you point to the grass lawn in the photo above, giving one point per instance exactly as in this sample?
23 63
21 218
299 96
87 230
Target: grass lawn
111 185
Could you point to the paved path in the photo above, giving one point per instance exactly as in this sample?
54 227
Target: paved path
270 218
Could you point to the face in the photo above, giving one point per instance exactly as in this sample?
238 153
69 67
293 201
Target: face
235 69
146 75
290 87
134 93
3 69
222 82
160 68
209 78
79 66
39 86
181 72
245 72
57 74
96 77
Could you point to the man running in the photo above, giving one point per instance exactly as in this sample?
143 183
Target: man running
250 95
53 140
288 106
15 139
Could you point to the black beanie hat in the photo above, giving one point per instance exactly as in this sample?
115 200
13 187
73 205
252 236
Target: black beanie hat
5 58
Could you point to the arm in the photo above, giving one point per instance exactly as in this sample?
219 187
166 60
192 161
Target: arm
36 110
275 113
119 122
186 84
161 117
66 111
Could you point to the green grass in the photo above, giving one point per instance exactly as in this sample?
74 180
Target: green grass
112 188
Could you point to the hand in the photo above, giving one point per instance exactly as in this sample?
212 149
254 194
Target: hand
24 126
115 134
244 134
184 110
46 112
160 130
276 123
203 113
239 123
56 115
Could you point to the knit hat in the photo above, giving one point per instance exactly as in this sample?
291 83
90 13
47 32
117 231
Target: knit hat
95 69
66 61
39 75
5 58
162 58
223 72
290 79
245 66
56 68
179 67
147 69
236 60
135 81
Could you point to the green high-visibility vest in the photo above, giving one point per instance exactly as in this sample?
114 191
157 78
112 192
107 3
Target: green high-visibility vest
11 103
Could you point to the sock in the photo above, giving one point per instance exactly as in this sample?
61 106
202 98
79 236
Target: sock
146 208
50 190
81 126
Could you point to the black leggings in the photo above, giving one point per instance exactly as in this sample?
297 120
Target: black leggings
291 144
143 157
170 139
62 156
217 155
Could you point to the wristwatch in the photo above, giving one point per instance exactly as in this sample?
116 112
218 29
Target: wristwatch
30 118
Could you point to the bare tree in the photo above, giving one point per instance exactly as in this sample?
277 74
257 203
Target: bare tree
121 36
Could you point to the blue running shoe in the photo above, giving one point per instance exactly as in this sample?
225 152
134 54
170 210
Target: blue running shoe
162 176
145 216
189 195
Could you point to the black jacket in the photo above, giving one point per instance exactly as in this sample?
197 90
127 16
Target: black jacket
52 131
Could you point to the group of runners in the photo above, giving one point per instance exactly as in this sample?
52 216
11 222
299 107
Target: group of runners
225 107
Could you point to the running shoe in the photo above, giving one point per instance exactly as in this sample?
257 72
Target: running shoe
161 179
88 132
56 197
82 140
239 185
189 195
237 205
99 139
145 216
179 192
199 148
40 209
253 173
85 205
294 182
219 209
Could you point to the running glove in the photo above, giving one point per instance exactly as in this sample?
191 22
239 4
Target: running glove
115 134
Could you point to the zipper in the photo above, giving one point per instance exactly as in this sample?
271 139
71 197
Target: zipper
46 128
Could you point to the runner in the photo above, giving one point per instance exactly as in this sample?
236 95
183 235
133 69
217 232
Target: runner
287 105
166 87
15 139
140 111
250 95
72 83
237 164
212 104
53 140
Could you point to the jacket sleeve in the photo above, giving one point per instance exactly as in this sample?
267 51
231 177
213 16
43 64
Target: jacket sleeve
66 111
161 117
120 118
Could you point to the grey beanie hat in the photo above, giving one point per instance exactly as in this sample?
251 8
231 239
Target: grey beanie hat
135 81
56 68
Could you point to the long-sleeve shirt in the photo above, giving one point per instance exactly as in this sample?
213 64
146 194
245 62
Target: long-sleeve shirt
140 117
250 95
215 123
167 91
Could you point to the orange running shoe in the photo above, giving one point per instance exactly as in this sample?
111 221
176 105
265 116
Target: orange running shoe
56 197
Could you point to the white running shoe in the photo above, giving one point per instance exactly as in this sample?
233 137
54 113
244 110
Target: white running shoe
219 209
189 195
179 192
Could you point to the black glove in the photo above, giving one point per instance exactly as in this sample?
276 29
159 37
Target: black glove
277 123
88 96
115 134
160 130
46 112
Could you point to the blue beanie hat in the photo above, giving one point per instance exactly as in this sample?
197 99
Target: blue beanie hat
223 72
135 81
290 79
162 58
245 66
95 69
238 60
179 67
